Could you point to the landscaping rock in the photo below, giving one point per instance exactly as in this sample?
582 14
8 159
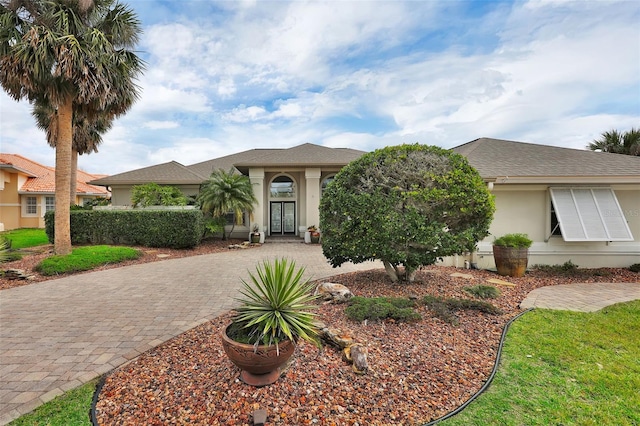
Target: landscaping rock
334 292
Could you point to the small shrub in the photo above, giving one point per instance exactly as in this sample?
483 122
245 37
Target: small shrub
513 240
445 308
567 268
635 267
379 308
483 291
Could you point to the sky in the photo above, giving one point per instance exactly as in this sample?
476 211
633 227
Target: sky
227 76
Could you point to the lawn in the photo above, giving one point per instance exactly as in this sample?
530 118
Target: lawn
561 367
558 367
26 237
86 258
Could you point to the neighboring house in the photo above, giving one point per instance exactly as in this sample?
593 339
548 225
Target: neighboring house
27 191
288 183
576 205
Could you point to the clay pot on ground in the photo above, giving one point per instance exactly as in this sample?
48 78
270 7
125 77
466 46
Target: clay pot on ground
511 261
260 365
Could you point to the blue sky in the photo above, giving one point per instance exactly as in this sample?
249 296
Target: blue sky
224 77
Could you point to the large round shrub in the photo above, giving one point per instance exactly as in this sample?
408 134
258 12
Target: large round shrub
407 205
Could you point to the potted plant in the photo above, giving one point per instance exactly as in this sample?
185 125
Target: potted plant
314 234
511 254
255 234
275 313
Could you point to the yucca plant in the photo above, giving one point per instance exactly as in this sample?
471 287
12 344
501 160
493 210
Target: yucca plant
277 305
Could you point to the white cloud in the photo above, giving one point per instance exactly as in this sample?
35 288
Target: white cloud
155 125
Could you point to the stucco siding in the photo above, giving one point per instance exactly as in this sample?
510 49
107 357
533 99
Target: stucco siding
526 209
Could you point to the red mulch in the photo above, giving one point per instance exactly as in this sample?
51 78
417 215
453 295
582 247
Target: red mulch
419 371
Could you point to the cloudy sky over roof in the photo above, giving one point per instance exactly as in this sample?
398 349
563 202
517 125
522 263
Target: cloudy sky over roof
224 77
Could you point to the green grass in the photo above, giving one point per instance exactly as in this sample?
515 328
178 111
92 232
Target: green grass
26 237
568 368
86 258
70 409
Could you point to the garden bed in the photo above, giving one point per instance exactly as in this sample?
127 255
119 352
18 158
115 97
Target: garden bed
419 371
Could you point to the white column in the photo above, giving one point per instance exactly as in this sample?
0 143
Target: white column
256 175
312 179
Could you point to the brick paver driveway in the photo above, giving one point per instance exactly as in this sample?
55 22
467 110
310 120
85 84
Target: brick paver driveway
58 334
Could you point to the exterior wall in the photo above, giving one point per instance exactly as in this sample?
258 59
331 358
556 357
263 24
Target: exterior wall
526 209
9 201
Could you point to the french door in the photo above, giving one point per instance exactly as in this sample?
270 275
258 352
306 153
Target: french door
283 217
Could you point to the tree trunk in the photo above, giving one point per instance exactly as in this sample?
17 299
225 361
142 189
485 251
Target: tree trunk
391 271
74 177
62 237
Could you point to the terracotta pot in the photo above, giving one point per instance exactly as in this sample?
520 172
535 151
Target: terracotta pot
261 366
511 261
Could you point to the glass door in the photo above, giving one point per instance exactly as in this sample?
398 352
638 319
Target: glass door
283 217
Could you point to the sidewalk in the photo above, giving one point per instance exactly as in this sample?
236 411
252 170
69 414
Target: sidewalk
587 297
57 335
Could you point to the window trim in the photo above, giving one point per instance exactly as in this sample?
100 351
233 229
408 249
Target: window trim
589 214
26 205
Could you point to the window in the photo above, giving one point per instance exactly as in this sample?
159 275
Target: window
282 187
31 206
589 214
49 204
326 181
230 219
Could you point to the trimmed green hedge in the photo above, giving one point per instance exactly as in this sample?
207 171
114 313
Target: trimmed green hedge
150 228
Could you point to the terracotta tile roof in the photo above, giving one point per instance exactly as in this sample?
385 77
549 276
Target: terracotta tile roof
41 179
499 158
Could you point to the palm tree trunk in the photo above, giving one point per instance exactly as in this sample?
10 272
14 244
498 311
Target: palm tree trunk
62 237
74 176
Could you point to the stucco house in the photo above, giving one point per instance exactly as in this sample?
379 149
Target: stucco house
576 205
27 191
287 183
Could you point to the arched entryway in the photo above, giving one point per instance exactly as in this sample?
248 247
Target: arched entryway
282 206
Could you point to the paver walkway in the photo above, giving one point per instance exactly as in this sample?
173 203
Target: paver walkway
59 334
584 297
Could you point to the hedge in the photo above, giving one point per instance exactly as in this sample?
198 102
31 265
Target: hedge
149 228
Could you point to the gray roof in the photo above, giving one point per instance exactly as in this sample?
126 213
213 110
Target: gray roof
227 162
302 156
166 173
174 173
497 158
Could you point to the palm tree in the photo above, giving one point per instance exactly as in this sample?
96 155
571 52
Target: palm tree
618 143
226 192
87 135
74 56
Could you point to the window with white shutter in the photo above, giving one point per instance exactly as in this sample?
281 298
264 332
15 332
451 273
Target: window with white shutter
589 214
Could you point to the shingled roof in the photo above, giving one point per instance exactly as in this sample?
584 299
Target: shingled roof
174 173
495 158
165 173
303 155
42 179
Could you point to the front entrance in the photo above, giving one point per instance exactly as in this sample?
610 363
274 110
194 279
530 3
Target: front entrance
283 217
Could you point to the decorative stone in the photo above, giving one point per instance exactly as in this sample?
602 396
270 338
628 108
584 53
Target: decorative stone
500 282
334 292
17 274
163 255
259 417
461 275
